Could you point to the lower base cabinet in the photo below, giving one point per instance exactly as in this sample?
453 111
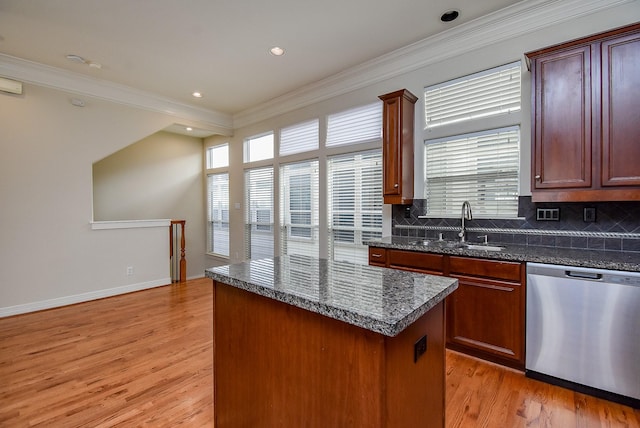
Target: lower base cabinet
485 316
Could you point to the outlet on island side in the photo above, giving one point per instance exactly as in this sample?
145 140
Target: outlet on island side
419 348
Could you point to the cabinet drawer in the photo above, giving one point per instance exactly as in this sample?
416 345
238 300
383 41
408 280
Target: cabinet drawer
416 261
377 256
510 271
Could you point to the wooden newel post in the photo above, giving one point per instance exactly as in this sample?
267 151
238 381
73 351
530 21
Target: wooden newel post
183 260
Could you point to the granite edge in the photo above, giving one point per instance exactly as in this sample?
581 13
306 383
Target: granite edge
390 329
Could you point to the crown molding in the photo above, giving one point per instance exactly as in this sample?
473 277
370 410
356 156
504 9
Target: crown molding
56 78
513 21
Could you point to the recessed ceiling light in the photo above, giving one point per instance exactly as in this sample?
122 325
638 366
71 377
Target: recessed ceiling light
276 51
189 129
197 94
449 15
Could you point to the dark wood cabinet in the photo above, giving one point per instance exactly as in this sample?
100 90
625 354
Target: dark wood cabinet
377 256
562 144
585 115
397 146
415 261
485 316
621 111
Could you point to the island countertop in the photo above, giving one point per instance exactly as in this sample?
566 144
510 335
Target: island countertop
378 299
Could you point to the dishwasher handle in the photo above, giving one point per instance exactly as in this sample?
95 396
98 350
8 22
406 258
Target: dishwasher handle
583 275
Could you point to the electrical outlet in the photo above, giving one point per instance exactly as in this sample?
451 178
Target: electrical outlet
589 215
129 270
407 212
419 348
548 214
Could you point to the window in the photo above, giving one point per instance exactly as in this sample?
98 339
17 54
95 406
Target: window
259 213
299 216
218 156
488 93
258 148
482 165
354 204
356 125
302 137
218 214
481 168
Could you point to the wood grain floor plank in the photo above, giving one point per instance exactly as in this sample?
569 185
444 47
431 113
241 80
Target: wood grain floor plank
145 359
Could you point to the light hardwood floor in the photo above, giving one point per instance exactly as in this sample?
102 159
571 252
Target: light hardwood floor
145 359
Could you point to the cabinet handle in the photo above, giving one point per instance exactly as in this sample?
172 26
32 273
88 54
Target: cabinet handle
395 185
376 255
537 177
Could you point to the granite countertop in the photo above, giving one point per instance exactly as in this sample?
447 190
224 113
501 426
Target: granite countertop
612 260
378 299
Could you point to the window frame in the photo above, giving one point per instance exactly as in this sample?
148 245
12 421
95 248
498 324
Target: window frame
356 230
211 236
471 126
247 147
480 160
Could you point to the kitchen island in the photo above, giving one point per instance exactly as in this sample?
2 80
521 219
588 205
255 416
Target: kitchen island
302 341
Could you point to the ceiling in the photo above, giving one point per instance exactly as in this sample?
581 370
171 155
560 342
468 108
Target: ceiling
220 47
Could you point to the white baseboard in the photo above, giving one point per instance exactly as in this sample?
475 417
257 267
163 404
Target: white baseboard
79 298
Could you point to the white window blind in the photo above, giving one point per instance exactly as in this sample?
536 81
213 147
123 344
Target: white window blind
487 93
218 156
302 137
299 214
258 148
218 214
481 168
356 125
354 204
259 213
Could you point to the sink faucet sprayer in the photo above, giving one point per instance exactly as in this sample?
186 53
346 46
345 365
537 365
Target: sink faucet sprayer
466 215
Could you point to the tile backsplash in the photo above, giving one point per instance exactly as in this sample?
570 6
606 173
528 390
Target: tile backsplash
617 225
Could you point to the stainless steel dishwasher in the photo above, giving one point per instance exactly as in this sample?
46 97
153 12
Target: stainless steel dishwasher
583 330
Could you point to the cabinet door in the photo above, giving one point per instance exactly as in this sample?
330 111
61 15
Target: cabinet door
486 318
391 146
397 146
562 111
621 111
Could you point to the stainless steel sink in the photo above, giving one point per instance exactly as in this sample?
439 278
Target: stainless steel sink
439 243
455 244
422 242
484 247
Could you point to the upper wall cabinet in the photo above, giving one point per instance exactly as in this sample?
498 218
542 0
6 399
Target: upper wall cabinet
586 119
397 146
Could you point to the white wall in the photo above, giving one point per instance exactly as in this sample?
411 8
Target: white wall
48 253
157 177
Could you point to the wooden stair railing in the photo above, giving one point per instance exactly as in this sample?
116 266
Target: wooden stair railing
182 265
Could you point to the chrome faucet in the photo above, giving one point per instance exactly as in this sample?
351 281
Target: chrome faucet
466 215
